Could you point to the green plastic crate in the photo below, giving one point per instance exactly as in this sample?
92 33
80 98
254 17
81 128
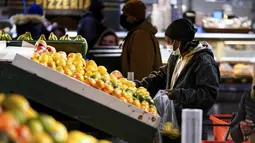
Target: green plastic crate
66 46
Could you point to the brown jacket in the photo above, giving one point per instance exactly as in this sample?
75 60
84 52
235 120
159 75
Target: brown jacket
140 51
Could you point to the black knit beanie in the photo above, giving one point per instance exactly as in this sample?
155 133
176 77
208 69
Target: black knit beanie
181 30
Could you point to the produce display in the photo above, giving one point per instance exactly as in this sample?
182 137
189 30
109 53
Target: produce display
237 73
28 37
5 36
90 73
19 123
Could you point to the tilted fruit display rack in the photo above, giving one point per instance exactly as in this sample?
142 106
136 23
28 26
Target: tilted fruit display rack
78 100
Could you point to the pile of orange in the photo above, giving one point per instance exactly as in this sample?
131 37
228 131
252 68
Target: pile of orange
89 72
24 125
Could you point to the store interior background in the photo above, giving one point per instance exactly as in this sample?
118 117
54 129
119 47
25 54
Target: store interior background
230 49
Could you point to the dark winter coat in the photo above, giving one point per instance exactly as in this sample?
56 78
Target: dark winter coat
197 85
30 23
90 28
245 112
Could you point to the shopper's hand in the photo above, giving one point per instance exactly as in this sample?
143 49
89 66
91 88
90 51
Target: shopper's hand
247 127
169 94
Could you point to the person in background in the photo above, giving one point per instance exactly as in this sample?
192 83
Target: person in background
31 22
91 25
191 77
140 50
242 126
108 38
59 31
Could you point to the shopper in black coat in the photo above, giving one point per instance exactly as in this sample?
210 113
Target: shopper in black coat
91 25
242 125
191 74
31 22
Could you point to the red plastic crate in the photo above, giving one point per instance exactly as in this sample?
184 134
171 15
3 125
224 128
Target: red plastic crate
219 132
217 142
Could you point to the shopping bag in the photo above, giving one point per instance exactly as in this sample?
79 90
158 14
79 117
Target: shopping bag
168 123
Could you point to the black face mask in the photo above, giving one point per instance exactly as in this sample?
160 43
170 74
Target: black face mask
123 22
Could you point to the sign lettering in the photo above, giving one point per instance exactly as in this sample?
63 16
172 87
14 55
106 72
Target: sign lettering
59 4
74 4
64 4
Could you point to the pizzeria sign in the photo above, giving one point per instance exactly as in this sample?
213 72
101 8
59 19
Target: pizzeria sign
64 4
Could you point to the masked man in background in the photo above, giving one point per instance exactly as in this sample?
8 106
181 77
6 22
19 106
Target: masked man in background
191 75
140 51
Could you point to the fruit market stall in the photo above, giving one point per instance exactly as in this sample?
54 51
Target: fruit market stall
83 91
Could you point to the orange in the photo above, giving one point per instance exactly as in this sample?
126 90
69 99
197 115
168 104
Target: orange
7 121
145 108
117 74
78 76
145 103
87 81
153 110
137 103
92 82
108 89
116 92
130 100
68 72
51 65
123 99
102 70
100 84
71 55
23 132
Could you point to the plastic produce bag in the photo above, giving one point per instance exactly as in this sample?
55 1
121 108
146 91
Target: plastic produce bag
168 123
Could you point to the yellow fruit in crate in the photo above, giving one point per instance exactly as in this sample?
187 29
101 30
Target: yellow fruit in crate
71 67
78 56
130 84
59 133
78 63
105 77
84 62
16 101
36 60
88 73
44 58
62 54
102 70
2 98
92 63
35 126
35 55
104 141
78 76
68 72
47 53
91 68
31 113
47 121
51 64
56 56
80 137
113 78
60 69
123 80
69 61
41 138
61 62
96 75
80 70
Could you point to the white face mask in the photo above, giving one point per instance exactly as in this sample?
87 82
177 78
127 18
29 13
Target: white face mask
177 51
